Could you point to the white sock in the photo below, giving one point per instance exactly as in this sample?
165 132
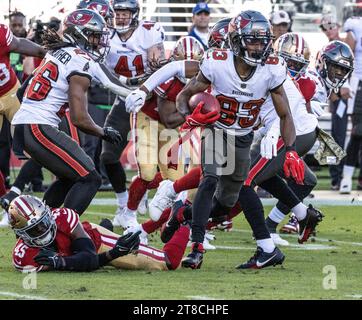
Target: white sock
16 190
122 198
266 244
300 211
348 172
276 215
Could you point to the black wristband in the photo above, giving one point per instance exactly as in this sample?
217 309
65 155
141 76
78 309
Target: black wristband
290 148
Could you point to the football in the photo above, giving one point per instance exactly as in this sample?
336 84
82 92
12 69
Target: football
211 103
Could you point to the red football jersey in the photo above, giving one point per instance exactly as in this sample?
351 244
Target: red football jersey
307 86
7 75
170 89
66 220
150 108
167 90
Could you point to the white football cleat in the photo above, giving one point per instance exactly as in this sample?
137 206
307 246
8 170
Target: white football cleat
346 186
115 221
210 236
163 199
126 219
143 235
278 241
206 244
4 223
143 205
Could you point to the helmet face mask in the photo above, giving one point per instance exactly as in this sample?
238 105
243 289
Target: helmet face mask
32 221
126 13
335 64
295 51
250 37
87 29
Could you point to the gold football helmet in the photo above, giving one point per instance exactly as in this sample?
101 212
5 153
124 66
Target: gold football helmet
187 48
32 221
295 51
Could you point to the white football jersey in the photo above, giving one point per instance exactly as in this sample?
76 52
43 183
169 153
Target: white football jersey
304 122
354 24
46 96
129 58
240 99
322 92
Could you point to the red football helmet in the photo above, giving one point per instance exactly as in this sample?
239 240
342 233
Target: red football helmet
250 37
218 34
187 48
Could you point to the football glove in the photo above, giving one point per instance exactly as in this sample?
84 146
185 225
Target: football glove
135 100
199 119
126 244
49 258
294 166
112 135
268 144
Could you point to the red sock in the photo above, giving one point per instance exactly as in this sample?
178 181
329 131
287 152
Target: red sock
151 226
2 185
176 247
155 182
189 181
136 191
234 211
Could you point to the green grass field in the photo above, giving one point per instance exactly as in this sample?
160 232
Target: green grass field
338 244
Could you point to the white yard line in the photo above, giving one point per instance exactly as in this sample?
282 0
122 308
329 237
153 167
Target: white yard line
202 298
355 296
331 241
308 247
21 296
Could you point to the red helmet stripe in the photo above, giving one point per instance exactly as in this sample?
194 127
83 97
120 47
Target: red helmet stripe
297 44
191 49
24 207
302 46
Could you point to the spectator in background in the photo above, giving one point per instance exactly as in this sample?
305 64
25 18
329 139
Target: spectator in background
337 102
200 23
281 23
17 23
353 25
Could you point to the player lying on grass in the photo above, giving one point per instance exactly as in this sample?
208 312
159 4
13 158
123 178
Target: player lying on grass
55 239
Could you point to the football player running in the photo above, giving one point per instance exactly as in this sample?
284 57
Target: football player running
149 130
62 82
55 239
136 47
251 57
334 65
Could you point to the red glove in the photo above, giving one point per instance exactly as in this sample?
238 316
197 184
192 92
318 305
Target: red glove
294 166
199 119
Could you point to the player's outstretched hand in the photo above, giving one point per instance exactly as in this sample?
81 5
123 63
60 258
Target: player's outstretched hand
112 135
126 244
135 100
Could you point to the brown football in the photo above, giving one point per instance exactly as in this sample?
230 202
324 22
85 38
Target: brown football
211 103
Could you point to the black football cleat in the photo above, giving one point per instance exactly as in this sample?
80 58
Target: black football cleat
6 199
107 224
172 224
309 223
194 259
262 259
